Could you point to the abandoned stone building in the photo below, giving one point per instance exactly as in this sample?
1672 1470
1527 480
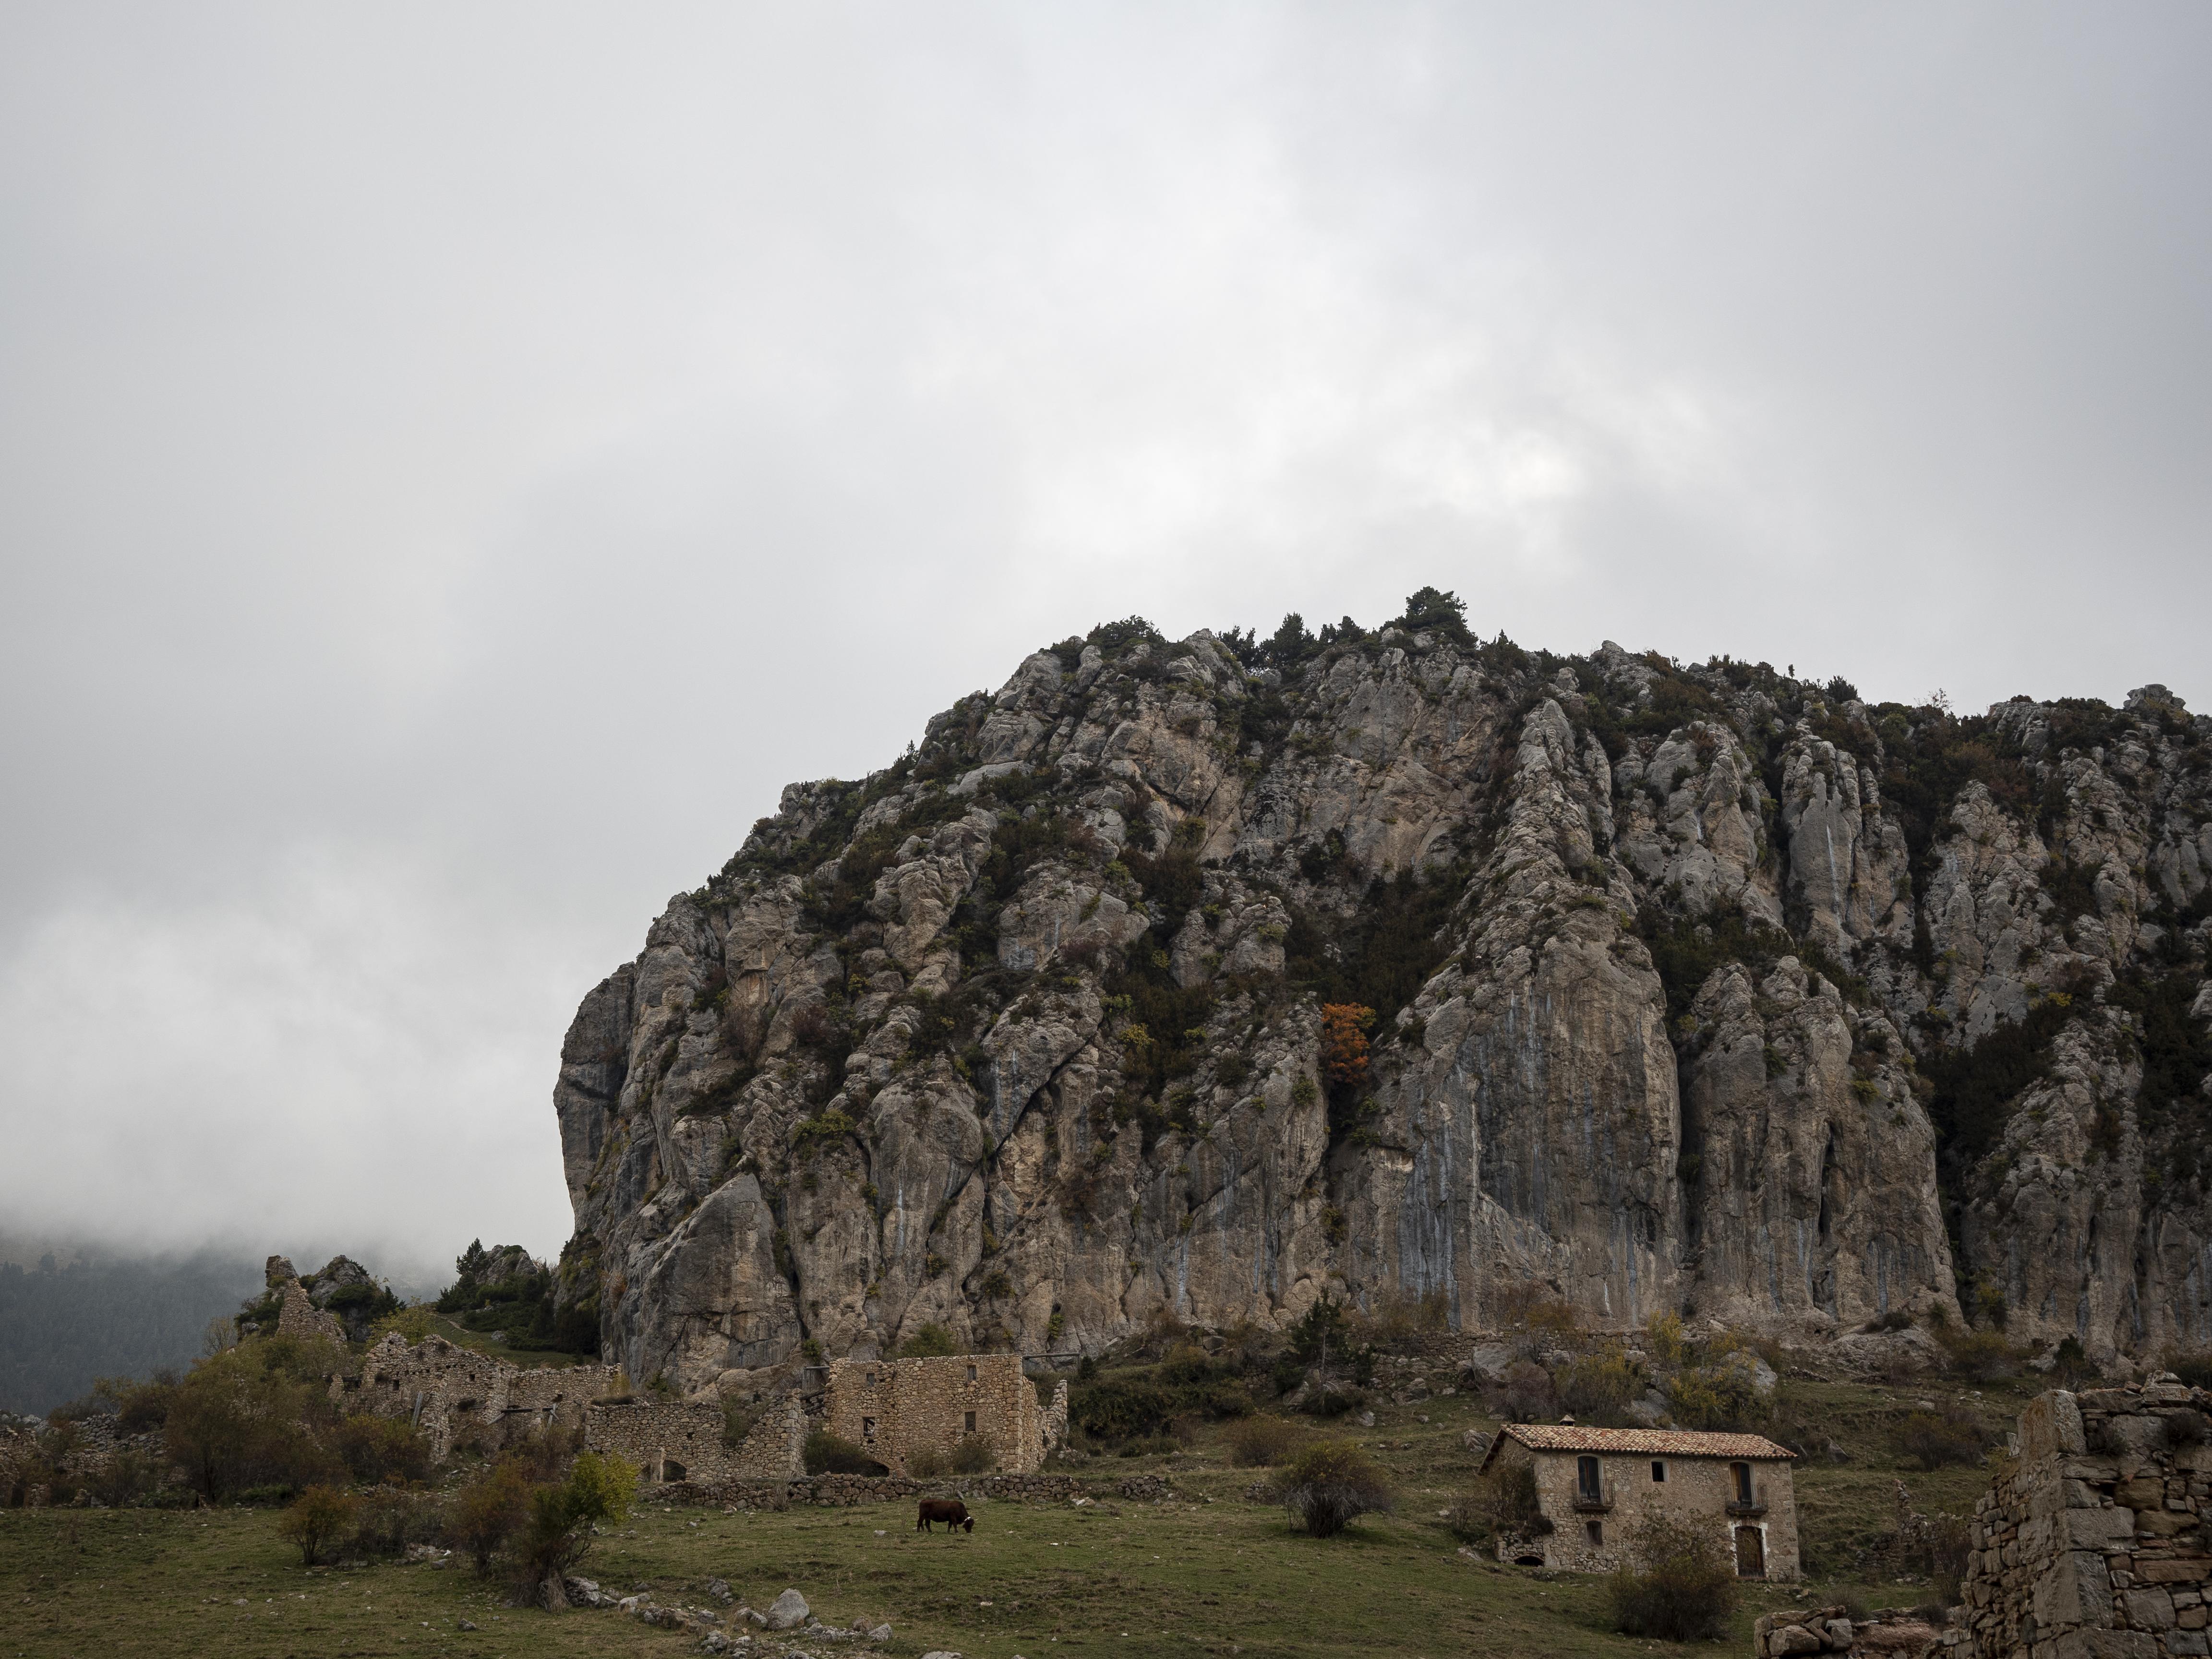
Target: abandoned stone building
2093 1542
895 1408
1596 1487
670 1440
452 1394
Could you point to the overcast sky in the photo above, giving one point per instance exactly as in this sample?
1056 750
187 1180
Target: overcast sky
457 463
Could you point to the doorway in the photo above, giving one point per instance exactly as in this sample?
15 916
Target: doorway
1750 1554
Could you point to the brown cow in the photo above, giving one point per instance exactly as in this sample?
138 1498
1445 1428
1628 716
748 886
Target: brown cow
949 1511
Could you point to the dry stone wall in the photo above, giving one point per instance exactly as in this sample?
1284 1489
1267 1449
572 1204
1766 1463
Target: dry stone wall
895 1408
2093 1545
673 1442
452 1394
845 1490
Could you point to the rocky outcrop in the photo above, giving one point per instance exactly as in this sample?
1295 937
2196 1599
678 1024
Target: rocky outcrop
1681 982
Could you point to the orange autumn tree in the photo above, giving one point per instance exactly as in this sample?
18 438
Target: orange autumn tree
1344 1027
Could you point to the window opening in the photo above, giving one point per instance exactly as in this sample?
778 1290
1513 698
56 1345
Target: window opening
1586 1476
1658 1470
1597 1530
1743 1474
970 1423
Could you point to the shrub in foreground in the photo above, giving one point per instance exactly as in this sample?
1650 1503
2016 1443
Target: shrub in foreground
486 1512
562 1519
1330 1484
318 1519
1686 1590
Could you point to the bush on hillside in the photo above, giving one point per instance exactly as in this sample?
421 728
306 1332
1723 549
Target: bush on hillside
1686 1590
1950 1435
1330 1484
561 1520
1526 1394
486 1512
377 1447
1500 1504
1259 1442
932 1341
1598 1387
1721 1397
1982 1356
318 1519
391 1518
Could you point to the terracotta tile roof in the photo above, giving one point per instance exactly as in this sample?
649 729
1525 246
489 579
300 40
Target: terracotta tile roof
1645 1442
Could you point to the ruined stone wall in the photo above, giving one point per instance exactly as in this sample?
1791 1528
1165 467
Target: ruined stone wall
453 1393
302 1318
1697 1492
672 1441
894 1408
845 1490
1885 1632
2094 1543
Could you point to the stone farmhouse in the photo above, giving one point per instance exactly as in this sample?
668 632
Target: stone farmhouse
671 1440
1596 1486
894 1408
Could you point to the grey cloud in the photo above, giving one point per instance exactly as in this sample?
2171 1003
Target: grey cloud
454 467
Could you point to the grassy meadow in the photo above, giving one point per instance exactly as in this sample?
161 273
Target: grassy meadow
1208 1571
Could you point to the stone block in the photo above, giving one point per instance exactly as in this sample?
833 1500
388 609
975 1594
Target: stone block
2188 1570
2103 1644
2189 1641
2051 1427
2077 1591
2164 1523
2096 1528
2148 1609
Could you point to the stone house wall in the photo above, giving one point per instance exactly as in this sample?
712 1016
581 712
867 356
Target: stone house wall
451 1393
1698 1491
2093 1544
894 1408
302 1318
847 1491
674 1442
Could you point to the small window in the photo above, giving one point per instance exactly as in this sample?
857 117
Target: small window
970 1423
1658 1471
1596 1531
871 1379
1741 1472
868 1429
971 1373
1586 1476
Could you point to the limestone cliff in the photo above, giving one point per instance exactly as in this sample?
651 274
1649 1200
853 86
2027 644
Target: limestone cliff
1692 987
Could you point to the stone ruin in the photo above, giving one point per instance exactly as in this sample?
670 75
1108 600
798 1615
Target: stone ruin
2092 1545
1833 1631
894 1408
672 1441
454 1394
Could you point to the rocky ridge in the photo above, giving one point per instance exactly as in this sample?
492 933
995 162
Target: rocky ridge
1692 987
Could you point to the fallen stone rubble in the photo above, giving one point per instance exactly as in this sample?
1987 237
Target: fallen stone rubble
1832 1630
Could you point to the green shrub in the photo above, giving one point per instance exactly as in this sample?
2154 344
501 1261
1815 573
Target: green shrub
485 1513
318 1517
1950 1435
1526 1394
1978 1356
973 1455
561 1520
1330 1484
932 1341
1720 1397
832 1454
1598 1387
1686 1590
2193 1368
2071 1366
927 1464
376 1447
1261 1442
1500 1504
737 1423
391 1518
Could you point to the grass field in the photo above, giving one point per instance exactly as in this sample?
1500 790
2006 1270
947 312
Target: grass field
1207 1572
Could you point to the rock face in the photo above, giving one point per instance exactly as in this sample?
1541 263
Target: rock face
1693 987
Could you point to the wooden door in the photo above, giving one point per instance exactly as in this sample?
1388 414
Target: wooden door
1750 1554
